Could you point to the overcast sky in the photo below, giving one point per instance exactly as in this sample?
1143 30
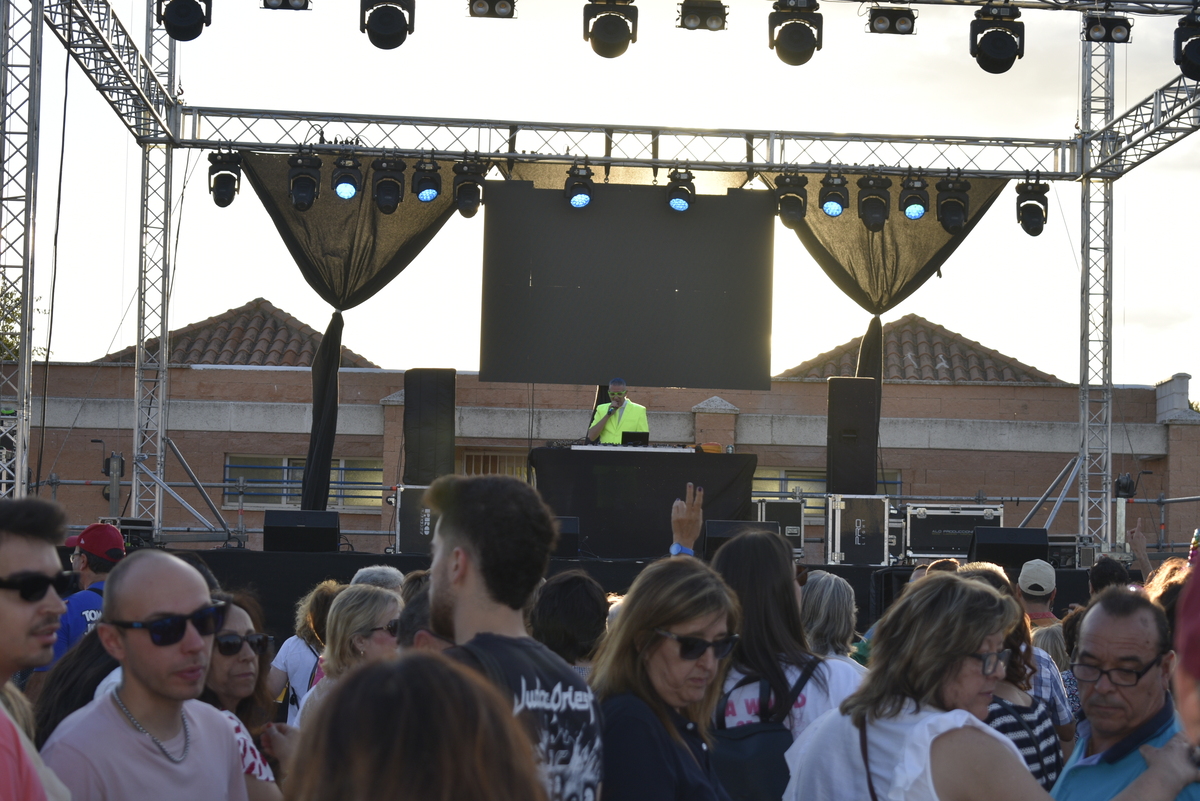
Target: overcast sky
1014 293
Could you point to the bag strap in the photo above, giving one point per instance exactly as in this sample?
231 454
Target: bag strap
98 590
1037 748
719 712
862 746
780 712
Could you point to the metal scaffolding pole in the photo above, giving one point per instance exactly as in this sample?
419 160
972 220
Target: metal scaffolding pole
20 80
154 291
1095 341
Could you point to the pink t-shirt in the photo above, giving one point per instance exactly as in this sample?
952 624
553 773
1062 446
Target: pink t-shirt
18 778
101 757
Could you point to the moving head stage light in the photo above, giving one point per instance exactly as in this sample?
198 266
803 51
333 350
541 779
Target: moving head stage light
892 20
183 20
388 184
874 201
468 186
997 38
953 204
347 177
1187 46
610 26
795 30
791 198
835 195
702 15
224 177
427 183
681 192
304 180
914 197
578 189
387 23
504 9
1032 206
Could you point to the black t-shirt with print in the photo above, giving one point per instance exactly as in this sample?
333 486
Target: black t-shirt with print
555 704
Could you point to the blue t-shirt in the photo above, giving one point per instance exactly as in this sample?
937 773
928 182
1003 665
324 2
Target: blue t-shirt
1102 776
83 612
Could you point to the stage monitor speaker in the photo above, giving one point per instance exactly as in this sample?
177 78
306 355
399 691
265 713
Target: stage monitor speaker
304 531
428 425
718 532
568 538
852 437
1008 547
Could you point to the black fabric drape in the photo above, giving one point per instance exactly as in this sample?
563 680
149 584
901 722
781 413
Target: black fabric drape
347 250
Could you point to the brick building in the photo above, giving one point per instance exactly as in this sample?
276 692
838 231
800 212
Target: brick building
958 419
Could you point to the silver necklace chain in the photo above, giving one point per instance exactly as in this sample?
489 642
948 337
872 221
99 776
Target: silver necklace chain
187 739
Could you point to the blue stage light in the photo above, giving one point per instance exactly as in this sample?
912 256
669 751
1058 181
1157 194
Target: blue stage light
832 208
915 212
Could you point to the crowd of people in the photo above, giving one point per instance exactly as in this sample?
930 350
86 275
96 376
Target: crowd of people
481 677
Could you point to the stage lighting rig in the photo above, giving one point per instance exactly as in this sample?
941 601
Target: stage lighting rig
1187 46
224 177
1033 209
997 38
387 183
293 5
387 23
795 30
346 178
578 188
184 20
681 192
304 180
792 198
427 183
914 197
953 204
504 9
1107 29
610 26
702 15
468 186
892 20
835 195
874 201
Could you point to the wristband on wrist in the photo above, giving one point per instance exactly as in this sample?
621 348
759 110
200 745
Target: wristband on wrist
677 549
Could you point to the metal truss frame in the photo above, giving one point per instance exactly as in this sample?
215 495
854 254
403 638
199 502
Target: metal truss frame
1095 342
141 90
20 81
154 293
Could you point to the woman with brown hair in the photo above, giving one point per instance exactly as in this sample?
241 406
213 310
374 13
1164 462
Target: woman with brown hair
296 663
421 727
914 731
658 677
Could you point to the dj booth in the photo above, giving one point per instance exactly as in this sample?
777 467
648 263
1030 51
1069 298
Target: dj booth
622 496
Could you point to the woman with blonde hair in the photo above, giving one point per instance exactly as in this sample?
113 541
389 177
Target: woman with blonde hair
914 731
362 628
658 676
295 664
419 727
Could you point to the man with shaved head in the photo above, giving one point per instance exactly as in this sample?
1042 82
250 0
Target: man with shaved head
158 621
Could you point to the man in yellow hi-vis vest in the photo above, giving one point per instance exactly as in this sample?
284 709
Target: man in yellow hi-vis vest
619 415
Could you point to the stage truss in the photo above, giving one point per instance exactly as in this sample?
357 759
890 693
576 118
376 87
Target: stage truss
140 86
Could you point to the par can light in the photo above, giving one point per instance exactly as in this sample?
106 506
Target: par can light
892 20
1107 29
501 9
702 15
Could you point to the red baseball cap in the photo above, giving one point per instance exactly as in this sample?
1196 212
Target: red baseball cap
101 540
1187 628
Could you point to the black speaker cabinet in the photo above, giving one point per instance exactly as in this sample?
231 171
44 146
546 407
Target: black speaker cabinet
428 425
304 531
1008 547
718 532
852 437
790 517
568 538
416 524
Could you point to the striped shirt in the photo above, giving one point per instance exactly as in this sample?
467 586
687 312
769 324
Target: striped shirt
1032 732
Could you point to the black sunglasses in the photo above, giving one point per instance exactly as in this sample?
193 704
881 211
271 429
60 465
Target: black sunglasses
170 630
692 648
392 627
230 644
32 586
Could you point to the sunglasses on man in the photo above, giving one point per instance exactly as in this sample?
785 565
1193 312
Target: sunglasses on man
170 629
32 587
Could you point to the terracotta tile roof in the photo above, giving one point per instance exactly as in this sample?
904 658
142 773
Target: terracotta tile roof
915 349
254 334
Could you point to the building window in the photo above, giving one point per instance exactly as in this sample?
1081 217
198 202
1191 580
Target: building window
354 484
768 480
496 463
